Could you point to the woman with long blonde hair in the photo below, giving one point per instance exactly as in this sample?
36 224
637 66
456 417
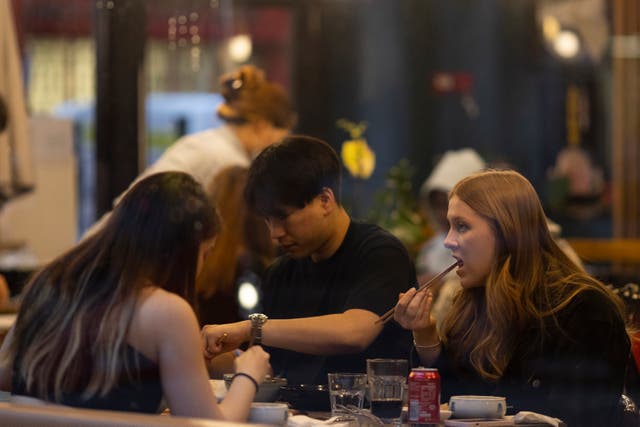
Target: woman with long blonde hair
529 324
110 325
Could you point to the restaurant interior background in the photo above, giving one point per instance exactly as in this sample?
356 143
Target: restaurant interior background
548 87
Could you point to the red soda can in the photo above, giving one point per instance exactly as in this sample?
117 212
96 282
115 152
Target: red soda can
424 396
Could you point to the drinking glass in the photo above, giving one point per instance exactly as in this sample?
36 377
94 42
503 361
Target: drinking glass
387 378
346 391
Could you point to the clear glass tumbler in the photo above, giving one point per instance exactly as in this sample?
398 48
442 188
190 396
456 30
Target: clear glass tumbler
387 378
346 392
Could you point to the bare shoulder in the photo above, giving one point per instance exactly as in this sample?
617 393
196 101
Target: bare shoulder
161 317
158 306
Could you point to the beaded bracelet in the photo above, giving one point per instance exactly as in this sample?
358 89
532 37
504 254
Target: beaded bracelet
242 374
428 347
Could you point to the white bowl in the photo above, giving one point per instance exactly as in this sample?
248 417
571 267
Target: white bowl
268 413
478 406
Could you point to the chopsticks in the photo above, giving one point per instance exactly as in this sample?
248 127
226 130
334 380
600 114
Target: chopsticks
389 314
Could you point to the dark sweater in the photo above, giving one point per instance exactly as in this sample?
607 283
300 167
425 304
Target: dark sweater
574 372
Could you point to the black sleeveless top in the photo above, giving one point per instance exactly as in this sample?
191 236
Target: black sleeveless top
139 392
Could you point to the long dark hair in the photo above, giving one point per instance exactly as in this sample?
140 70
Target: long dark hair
70 335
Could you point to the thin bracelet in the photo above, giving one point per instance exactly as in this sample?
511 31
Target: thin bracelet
428 347
242 374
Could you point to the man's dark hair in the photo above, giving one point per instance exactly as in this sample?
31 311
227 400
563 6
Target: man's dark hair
291 173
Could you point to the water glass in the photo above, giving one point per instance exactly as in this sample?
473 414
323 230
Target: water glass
346 391
387 378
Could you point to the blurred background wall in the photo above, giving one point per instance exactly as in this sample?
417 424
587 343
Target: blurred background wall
527 84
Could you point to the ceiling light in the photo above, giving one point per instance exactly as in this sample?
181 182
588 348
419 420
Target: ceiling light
566 44
240 48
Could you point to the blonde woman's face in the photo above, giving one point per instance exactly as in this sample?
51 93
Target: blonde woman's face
471 241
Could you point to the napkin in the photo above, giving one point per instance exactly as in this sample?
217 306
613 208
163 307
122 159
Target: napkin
523 417
305 421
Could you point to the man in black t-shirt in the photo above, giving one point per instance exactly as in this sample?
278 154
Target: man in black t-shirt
336 277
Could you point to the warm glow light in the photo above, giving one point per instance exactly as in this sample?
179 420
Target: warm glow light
550 27
566 44
247 295
240 48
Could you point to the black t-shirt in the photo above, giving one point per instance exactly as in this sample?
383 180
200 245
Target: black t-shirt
368 271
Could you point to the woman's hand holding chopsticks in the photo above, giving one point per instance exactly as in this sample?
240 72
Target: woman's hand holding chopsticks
421 289
413 310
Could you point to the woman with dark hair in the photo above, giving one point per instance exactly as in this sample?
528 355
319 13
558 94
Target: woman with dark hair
110 324
529 324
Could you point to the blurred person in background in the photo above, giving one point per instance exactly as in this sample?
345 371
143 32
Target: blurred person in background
241 255
256 113
110 325
529 323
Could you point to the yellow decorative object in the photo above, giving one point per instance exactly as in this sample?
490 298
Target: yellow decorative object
356 154
358 158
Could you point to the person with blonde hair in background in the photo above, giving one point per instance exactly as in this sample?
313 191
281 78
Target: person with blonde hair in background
256 113
110 325
529 323
241 255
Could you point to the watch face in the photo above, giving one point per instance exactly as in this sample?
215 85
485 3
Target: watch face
258 318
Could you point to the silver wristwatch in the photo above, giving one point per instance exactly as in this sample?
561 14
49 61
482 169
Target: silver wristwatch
257 320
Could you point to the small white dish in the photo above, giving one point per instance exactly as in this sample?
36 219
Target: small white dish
268 413
478 406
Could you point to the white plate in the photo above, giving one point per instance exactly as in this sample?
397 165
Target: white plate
478 406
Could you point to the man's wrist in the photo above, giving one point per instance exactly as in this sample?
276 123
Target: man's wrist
257 322
247 334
